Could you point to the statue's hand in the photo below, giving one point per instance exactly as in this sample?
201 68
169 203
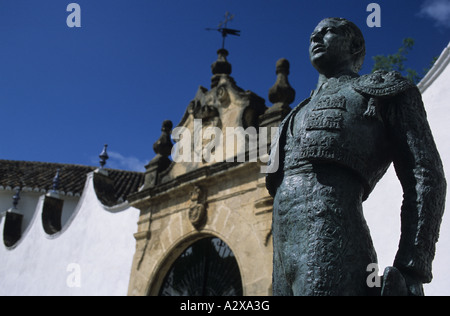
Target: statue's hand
399 283
415 287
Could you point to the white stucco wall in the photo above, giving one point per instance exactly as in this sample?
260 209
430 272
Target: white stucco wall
382 210
92 255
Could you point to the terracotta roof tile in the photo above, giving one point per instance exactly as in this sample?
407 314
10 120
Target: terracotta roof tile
38 176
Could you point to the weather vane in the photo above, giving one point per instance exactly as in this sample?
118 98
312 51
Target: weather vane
222 28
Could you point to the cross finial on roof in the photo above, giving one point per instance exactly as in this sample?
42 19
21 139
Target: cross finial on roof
222 28
228 17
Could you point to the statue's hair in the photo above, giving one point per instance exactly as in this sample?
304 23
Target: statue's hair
358 45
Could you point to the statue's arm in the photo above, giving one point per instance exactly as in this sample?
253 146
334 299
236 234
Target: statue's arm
419 169
274 175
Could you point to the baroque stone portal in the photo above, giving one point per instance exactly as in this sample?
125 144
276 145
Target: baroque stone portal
333 148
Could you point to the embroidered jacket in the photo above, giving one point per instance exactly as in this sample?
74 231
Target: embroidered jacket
364 124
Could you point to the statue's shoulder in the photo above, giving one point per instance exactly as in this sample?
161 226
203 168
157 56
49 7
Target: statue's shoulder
382 84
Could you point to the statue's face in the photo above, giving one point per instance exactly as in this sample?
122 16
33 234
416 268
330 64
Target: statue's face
330 48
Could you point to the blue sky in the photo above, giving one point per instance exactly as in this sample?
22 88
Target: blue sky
64 92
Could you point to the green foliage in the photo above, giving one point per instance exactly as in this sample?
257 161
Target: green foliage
397 61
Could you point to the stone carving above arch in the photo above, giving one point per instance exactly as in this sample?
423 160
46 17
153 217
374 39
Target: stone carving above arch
197 210
224 105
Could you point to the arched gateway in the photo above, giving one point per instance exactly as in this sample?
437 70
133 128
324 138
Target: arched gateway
206 268
205 224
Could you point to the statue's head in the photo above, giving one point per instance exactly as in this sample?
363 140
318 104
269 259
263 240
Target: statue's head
337 44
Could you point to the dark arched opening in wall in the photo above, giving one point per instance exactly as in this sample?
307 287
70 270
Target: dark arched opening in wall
206 268
12 231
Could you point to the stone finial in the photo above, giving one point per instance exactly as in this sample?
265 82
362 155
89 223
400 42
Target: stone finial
55 182
282 92
221 66
163 149
55 185
281 95
16 199
103 157
163 146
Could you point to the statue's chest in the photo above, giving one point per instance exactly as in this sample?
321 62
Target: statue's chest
335 108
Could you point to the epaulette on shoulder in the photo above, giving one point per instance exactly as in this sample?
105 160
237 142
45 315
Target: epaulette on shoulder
382 84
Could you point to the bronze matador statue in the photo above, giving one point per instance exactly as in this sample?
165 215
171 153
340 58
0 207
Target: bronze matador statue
332 150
